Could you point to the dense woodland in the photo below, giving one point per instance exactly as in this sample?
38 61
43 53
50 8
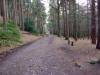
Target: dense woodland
24 15
66 18
70 19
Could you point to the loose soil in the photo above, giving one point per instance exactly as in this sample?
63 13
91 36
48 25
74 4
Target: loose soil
52 56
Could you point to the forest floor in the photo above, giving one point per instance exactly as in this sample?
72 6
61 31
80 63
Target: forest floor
26 37
52 56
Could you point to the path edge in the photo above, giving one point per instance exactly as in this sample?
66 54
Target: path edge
13 50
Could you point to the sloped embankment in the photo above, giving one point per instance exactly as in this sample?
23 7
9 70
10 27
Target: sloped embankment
26 37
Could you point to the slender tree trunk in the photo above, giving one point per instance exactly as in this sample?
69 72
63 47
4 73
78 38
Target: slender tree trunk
74 25
21 14
93 22
66 22
79 22
14 13
64 19
58 18
98 38
69 21
28 10
7 14
88 20
9 11
4 15
1 7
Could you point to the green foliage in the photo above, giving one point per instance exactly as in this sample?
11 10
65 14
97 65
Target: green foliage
43 33
17 40
15 32
10 24
5 34
1 42
8 43
29 25
1 24
11 36
36 31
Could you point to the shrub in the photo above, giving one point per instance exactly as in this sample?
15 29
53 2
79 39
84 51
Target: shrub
1 42
29 25
36 32
11 36
8 43
1 24
4 34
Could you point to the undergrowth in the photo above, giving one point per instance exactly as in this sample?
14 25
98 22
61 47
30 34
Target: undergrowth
11 36
29 25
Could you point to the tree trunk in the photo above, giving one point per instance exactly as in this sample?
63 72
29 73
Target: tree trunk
1 8
58 18
7 14
14 13
98 38
93 22
74 25
66 22
4 15
88 20
21 14
79 21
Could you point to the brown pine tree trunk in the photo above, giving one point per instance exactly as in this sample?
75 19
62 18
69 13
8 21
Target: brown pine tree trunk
58 18
79 21
64 19
66 22
21 14
9 11
74 25
88 20
1 8
7 15
98 38
14 13
93 22
4 15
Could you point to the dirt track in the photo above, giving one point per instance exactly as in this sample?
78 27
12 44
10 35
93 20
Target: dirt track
47 56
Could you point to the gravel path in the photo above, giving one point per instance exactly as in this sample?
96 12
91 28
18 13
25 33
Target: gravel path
46 56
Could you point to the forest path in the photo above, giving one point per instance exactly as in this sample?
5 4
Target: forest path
47 56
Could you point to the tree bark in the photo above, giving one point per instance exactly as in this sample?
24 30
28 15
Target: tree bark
4 15
98 38
14 13
1 8
88 20
58 18
74 25
7 14
66 22
21 14
93 22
